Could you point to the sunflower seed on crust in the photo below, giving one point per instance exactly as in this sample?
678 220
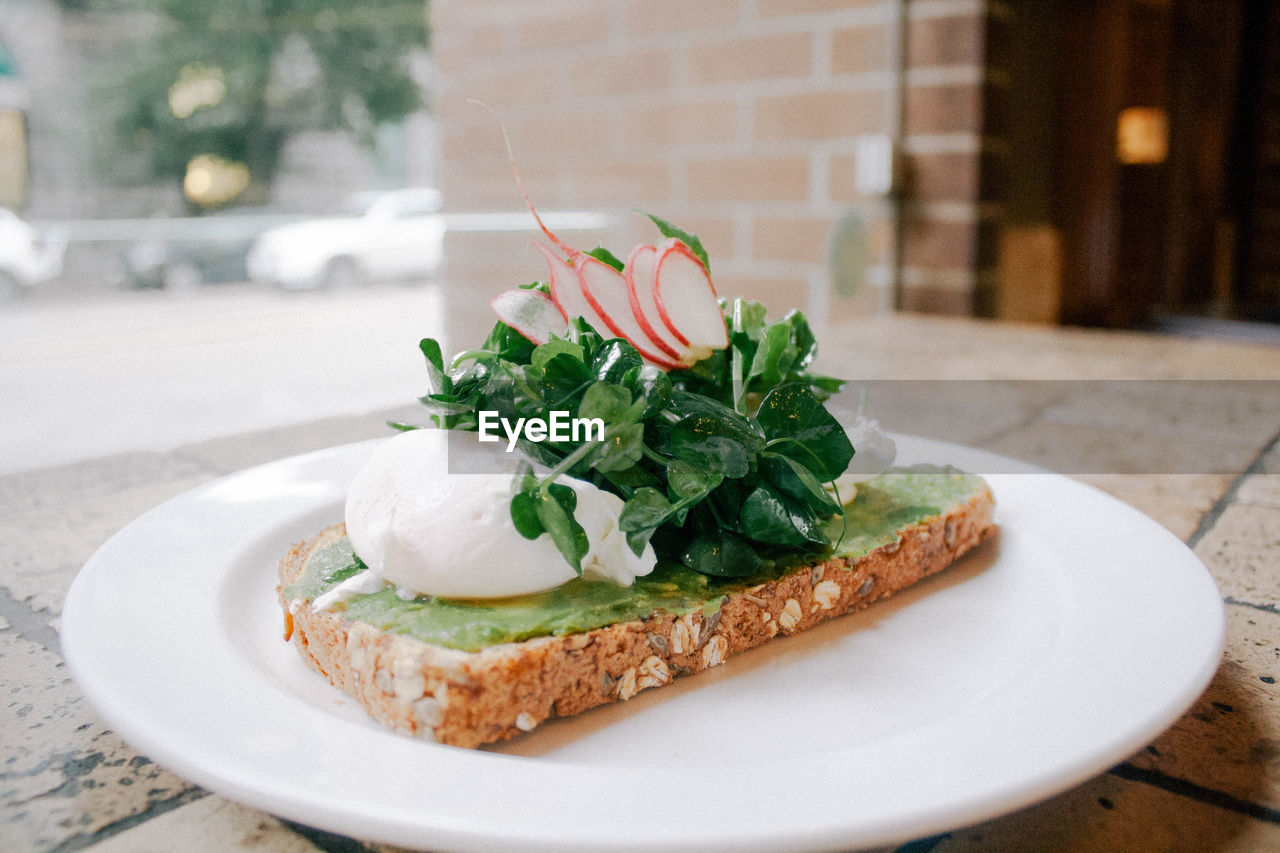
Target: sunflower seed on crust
713 653
627 686
791 615
653 673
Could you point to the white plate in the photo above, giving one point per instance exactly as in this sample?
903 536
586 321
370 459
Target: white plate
1044 658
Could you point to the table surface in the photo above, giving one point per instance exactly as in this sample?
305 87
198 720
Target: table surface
1211 782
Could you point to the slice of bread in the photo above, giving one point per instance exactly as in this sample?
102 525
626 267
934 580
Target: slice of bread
473 698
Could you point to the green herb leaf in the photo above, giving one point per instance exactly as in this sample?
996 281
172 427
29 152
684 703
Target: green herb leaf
777 520
775 355
749 430
600 253
611 403
711 443
437 381
614 360
791 415
506 343
721 554
555 507
802 336
524 515
622 448
445 404
563 377
689 481
795 480
645 511
690 240
652 385
543 353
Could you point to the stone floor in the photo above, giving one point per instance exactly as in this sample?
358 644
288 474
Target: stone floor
1212 782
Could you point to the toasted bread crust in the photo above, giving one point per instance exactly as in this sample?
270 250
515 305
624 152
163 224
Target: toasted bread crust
473 698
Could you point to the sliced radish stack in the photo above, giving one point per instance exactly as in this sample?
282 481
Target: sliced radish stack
606 290
686 299
566 289
639 274
663 303
532 313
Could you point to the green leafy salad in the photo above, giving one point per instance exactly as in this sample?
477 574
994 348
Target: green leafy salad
725 455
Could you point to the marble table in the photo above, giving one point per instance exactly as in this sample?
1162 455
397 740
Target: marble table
1211 782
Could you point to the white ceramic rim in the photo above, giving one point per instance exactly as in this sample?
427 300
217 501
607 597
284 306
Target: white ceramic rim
150 633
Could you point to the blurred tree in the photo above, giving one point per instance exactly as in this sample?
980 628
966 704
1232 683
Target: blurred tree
221 85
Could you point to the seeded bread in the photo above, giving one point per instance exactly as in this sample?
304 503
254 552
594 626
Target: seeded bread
473 698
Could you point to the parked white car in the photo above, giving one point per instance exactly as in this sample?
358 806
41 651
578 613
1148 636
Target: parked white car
388 235
27 257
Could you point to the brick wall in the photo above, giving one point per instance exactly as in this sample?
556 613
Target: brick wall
736 119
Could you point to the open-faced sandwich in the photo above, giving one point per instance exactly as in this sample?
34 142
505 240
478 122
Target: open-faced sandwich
682 494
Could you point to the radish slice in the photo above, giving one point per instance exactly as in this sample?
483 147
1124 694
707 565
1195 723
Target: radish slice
604 287
639 274
686 299
532 313
566 291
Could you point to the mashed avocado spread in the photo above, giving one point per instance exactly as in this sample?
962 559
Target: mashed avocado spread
883 506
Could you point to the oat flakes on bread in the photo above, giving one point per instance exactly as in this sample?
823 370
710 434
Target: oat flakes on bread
472 698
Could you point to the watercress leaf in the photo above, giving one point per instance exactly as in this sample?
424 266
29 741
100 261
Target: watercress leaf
622 449
652 385
774 519
689 481
402 427
791 411
443 404
748 430
614 360
437 381
588 336
690 240
469 379
506 342
638 539
748 319
562 377
805 342
543 353
555 506
721 554
612 403
709 377
711 443
795 480
600 253
524 515
526 479
542 452
629 479
775 355
646 509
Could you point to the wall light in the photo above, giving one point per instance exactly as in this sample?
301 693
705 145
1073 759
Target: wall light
1142 136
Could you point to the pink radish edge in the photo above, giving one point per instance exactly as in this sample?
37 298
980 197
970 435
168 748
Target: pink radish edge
583 263
566 289
637 308
679 247
528 312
